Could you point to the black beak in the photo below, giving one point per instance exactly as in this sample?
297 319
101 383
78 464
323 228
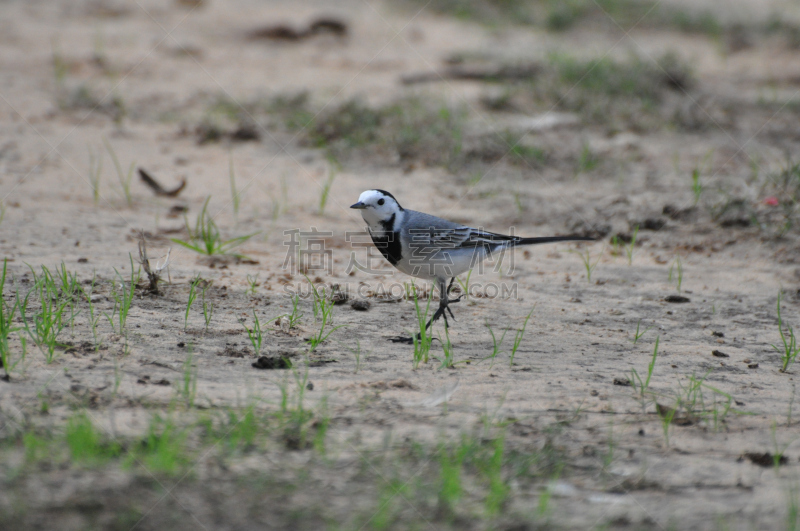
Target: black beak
359 206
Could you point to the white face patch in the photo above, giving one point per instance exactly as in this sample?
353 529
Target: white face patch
380 207
370 197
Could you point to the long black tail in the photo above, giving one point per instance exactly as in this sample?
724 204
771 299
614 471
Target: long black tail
552 239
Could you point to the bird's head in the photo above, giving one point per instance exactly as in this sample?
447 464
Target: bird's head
377 206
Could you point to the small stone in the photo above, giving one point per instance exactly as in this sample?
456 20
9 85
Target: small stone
339 297
360 305
653 224
676 299
272 363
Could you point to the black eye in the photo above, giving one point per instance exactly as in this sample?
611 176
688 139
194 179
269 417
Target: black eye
381 202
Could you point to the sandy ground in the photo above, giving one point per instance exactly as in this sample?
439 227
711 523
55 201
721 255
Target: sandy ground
168 61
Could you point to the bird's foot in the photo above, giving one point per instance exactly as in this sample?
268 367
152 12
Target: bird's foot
407 340
439 313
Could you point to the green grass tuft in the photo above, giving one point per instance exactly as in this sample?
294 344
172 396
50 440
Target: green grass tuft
323 314
423 340
123 177
86 444
789 348
163 449
7 315
518 337
411 130
206 239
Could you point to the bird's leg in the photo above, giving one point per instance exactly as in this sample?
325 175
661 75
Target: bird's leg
451 301
444 307
439 312
450 286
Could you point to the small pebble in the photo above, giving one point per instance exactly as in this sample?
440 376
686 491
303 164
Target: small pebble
360 305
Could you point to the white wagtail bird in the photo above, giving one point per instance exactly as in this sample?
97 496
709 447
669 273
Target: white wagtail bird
432 248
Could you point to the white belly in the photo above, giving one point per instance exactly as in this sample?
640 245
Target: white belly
442 265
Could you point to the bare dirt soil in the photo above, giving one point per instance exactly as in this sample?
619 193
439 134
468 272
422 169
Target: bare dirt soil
592 119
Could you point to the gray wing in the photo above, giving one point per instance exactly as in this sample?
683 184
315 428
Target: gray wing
426 230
